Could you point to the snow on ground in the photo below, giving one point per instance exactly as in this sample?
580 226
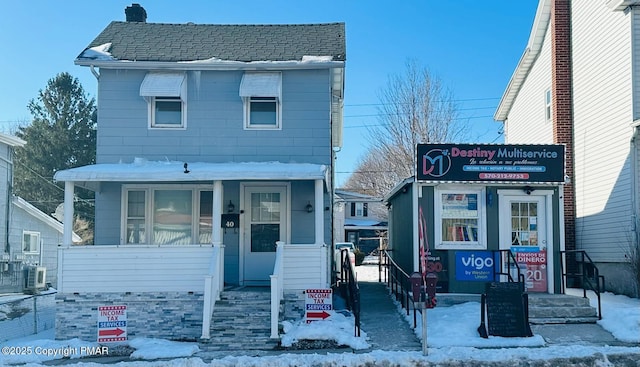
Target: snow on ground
620 314
451 335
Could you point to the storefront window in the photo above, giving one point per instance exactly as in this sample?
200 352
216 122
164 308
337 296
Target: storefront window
460 220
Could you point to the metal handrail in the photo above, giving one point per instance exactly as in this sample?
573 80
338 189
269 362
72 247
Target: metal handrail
347 275
399 283
511 262
584 268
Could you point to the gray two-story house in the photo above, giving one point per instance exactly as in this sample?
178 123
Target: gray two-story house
214 167
28 237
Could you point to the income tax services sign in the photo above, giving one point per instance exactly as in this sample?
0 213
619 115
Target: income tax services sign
317 303
112 324
490 162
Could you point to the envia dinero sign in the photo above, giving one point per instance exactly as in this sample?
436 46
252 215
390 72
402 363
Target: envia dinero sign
490 162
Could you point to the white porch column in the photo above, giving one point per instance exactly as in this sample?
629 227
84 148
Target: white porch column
319 212
67 225
216 220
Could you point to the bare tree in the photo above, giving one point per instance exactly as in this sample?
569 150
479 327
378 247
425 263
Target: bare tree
415 107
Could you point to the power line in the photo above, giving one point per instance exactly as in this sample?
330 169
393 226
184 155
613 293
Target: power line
49 181
452 100
373 125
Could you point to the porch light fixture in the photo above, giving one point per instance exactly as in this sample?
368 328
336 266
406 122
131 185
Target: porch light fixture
231 207
309 207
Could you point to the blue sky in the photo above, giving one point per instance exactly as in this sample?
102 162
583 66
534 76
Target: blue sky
473 46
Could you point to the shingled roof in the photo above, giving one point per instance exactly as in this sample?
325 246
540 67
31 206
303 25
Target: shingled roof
160 42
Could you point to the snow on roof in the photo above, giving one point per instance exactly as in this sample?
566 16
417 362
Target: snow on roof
42 216
361 222
11 140
141 170
100 52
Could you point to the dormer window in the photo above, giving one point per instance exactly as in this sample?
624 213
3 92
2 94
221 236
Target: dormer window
261 93
165 94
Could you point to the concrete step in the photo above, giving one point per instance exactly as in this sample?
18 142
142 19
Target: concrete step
560 309
241 321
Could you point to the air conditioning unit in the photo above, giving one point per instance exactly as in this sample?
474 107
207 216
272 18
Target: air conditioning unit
36 278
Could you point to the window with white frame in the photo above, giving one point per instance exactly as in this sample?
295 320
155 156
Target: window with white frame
547 105
165 94
460 219
359 209
261 94
30 242
166 215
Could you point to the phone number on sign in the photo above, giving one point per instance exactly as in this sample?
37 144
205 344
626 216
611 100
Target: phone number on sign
504 176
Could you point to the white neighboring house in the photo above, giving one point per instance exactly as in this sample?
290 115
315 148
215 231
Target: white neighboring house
577 83
29 237
360 219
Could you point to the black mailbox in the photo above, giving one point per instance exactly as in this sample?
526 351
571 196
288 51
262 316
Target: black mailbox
416 286
431 279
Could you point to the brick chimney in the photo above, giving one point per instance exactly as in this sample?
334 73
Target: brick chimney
135 13
562 107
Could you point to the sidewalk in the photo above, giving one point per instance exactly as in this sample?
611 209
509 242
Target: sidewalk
387 329
380 319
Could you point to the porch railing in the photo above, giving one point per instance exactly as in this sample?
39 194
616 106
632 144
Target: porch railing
277 289
213 285
586 272
297 267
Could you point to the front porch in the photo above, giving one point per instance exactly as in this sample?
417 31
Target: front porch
170 291
169 238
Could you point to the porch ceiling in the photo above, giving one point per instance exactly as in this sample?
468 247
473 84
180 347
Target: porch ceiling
171 171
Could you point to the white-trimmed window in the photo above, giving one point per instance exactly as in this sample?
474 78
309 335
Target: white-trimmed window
359 209
547 105
30 242
261 94
166 95
460 219
167 215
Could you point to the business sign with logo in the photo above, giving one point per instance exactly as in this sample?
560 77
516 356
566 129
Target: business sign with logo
476 266
490 163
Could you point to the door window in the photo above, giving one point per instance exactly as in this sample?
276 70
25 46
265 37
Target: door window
524 224
265 221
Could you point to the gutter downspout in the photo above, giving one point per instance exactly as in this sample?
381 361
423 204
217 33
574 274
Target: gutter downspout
94 72
634 182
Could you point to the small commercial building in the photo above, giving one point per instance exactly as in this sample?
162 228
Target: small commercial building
475 206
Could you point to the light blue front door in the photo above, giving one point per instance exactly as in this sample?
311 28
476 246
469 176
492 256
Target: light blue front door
264 223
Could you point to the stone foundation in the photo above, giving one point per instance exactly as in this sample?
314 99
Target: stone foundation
293 307
163 315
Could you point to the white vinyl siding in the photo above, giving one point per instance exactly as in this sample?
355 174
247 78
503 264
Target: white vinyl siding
302 266
526 122
155 269
602 97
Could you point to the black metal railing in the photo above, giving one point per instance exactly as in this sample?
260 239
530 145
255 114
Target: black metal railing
585 271
398 283
349 285
508 267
